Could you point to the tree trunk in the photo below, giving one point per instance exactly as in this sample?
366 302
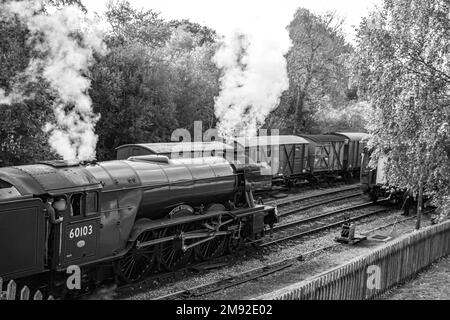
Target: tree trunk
419 206
299 112
447 148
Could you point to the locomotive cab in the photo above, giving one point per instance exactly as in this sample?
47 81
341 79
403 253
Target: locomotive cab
74 239
49 218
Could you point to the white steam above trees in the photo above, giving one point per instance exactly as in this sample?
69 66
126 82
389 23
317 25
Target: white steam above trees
251 59
65 41
254 73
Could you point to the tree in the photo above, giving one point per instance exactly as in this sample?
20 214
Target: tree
131 25
63 3
317 67
129 91
195 76
351 117
403 50
22 139
203 33
152 83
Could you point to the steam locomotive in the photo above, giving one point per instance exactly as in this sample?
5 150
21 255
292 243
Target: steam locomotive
123 218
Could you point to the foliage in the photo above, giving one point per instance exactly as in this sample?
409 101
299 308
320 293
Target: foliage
404 71
62 3
318 69
130 25
203 33
157 77
22 139
351 118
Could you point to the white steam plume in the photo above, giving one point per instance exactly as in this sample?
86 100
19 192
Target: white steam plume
254 69
67 39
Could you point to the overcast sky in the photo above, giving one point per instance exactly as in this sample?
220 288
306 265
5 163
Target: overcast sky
227 15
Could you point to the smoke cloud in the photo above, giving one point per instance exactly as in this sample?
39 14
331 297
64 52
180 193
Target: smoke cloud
67 39
254 70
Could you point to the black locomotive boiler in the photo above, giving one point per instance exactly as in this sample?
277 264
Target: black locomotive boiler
123 218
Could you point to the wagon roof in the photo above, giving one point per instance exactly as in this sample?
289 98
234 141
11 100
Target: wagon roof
270 140
320 138
168 147
45 178
353 136
199 161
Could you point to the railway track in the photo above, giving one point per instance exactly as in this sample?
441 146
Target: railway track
315 224
257 273
293 199
296 210
234 281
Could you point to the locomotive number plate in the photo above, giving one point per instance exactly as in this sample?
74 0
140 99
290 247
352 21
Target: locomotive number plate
83 231
81 240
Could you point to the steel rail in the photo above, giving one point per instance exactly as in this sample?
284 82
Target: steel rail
296 198
229 282
234 281
314 205
320 216
322 228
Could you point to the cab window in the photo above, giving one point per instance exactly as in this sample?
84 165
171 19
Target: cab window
77 204
91 203
8 191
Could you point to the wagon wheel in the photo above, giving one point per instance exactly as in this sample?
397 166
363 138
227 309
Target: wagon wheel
216 246
137 263
170 257
211 249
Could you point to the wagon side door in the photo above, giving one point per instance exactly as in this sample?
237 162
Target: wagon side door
299 158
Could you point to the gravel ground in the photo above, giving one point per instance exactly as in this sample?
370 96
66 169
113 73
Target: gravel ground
432 284
300 271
